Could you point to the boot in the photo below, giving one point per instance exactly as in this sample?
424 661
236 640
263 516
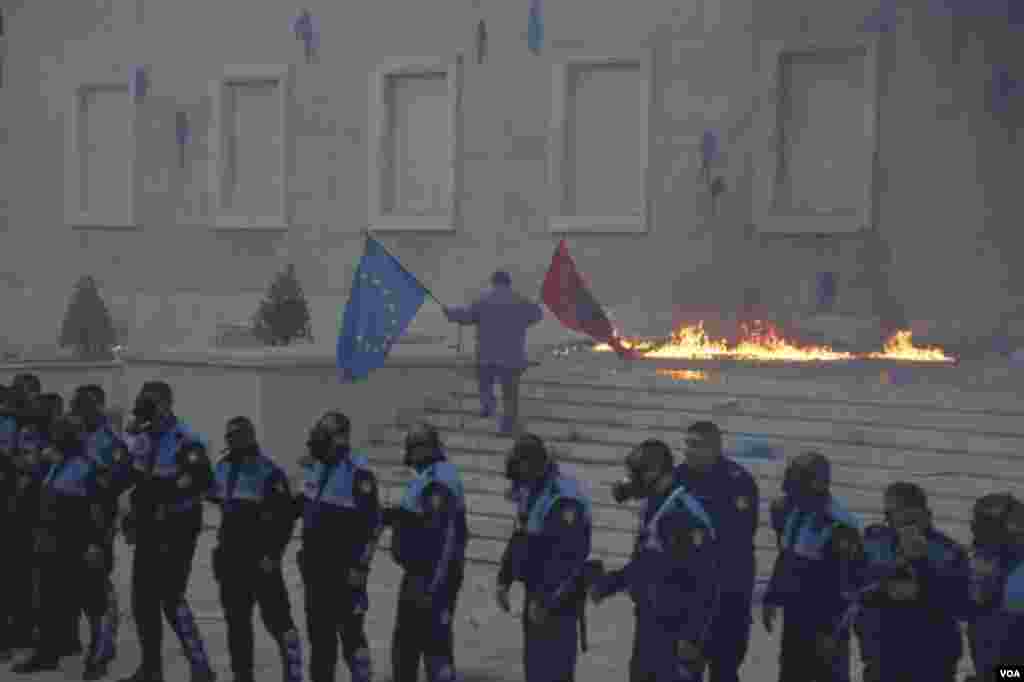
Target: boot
361 666
291 656
94 670
143 675
37 663
192 644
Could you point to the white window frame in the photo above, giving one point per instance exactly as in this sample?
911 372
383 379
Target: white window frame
282 74
73 195
380 118
560 167
767 170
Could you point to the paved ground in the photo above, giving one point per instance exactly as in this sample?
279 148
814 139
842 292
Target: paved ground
488 643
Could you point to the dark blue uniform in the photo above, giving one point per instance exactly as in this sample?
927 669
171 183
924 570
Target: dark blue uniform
109 455
71 521
730 496
8 506
24 517
917 639
257 520
171 474
547 553
996 609
429 543
675 592
810 581
341 523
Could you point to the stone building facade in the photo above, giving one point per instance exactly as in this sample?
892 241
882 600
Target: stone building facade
874 155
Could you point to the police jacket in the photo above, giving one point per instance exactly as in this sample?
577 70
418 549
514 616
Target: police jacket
673 575
810 579
430 533
551 542
942 579
30 477
730 496
109 454
8 435
170 474
995 607
257 515
70 506
340 508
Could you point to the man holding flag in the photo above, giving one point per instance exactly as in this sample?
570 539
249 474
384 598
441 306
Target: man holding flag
502 317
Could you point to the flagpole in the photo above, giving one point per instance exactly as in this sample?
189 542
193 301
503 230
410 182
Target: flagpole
366 231
558 246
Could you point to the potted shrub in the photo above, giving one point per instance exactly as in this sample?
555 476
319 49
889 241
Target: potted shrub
283 316
87 328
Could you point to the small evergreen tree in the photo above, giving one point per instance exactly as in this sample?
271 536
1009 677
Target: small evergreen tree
283 316
87 326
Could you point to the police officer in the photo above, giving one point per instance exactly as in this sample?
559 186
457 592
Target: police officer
1012 603
27 443
816 568
108 453
171 473
70 534
922 578
256 526
429 534
672 576
547 553
729 493
341 521
8 491
985 622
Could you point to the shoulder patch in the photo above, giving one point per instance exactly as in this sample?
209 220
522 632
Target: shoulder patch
742 503
569 515
437 501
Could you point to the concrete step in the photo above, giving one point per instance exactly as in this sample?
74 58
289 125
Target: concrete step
962 475
802 383
609 422
906 424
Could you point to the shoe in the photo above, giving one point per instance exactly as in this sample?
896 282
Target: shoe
36 663
95 670
71 649
203 675
143 675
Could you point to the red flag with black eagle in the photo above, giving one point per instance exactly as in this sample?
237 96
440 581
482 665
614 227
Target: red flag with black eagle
566 295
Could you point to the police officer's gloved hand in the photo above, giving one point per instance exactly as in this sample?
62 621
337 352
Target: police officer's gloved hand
94 557
357 578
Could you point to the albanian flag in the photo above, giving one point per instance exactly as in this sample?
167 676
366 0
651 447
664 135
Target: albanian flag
566 295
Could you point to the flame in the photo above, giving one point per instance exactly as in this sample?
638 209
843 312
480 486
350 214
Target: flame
900 346
684 374
762 341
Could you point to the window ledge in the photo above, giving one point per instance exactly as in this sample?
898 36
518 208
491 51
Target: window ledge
598 224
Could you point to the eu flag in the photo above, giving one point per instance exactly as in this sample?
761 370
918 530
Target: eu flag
384 299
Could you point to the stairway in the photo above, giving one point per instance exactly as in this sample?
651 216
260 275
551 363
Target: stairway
957 442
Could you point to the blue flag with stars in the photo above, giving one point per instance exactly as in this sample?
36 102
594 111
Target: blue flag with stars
384 299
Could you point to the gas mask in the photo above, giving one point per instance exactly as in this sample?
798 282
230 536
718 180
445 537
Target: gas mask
146 409
66 432
526 466
87 409
807 480
319 443
240 440
642 475
421 448
988 523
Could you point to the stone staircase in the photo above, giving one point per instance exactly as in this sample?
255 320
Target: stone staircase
959 442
